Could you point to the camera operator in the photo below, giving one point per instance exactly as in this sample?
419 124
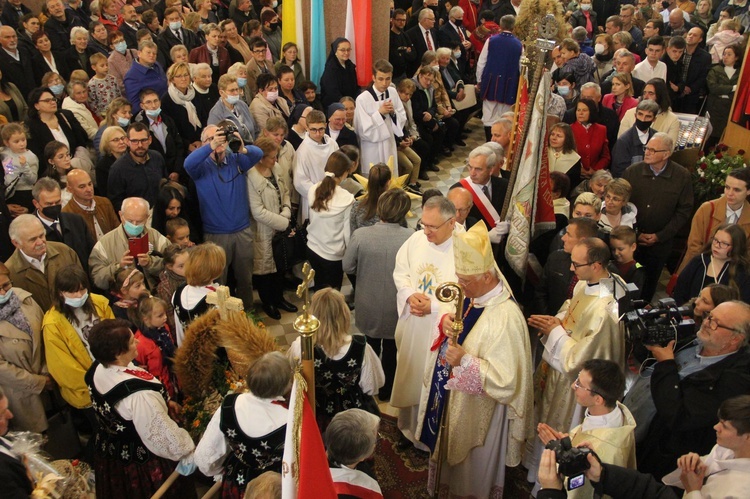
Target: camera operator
608 425
724 472
677 399
219 176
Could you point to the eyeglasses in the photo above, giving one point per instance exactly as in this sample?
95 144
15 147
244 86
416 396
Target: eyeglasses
713 324
343 50
465 282
259 51
5 287
721 244
577 385
579 265
654 151
182 76
316 130
432 228
139 141
46 101
118 139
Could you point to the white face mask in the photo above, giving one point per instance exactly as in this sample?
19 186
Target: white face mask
599 48
457 54
585 6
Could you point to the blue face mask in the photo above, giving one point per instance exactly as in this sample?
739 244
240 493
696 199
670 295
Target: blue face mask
153 114
4 298
123 122
121 47
241 82
57 89
233 99
563 91
133 230
77 302
174 26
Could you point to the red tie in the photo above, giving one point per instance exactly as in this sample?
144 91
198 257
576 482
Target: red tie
461 34
572 286
427 37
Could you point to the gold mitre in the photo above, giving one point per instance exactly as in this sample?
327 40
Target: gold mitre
472 251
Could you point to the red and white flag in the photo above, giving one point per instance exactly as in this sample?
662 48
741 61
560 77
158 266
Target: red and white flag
305 473
358 31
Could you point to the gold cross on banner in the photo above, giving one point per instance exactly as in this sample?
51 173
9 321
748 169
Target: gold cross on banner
224 301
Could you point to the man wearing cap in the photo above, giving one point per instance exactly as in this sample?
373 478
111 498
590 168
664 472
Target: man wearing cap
379 119
586 327
490 381
423 262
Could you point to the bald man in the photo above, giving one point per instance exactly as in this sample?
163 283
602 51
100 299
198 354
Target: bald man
97 211
461 199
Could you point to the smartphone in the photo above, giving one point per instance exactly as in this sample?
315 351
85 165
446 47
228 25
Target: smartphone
138 245
576 481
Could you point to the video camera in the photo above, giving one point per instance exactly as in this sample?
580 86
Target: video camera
234 142
660 325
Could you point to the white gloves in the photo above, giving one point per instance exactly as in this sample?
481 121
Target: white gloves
500 230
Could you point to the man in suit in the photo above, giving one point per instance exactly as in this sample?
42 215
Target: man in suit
606 116
15 62
452 34
174 34
487 192
423 37
337 128
462 200
401 50
67 228
165 136
437 7
12 12
630 146
130 25
13 473
695 63
35 262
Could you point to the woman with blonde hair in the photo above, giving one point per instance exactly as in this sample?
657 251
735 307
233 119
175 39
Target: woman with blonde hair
621 99
204 267
113 144
349 373
329 229
178 104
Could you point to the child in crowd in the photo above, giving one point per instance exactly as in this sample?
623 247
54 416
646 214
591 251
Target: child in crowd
622 241
728 35
58 163
103 87
21 168
173 275
156 345
616 208
129 284
351 185
178 232
310 90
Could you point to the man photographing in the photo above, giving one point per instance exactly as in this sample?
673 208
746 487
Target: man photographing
219 175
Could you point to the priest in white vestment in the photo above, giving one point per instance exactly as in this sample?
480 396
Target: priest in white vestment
586 327
424 261
491 398
310 161
378 119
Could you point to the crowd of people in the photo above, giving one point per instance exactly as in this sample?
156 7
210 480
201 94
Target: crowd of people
155 150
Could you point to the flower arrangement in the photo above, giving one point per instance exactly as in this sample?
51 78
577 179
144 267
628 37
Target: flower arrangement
711 172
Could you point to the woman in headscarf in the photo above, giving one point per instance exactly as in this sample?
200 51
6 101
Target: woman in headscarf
339 76
178 103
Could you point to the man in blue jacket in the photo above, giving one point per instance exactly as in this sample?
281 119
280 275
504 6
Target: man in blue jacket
219 176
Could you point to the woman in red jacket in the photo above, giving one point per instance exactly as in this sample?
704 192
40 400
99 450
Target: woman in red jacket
621 99
591 139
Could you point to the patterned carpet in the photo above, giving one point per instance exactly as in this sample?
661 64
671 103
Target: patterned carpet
401 474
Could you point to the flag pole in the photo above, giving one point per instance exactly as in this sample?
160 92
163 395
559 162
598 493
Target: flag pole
547 29
307 325
523 75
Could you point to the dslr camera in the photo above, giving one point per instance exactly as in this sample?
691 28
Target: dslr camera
234 142
571 461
